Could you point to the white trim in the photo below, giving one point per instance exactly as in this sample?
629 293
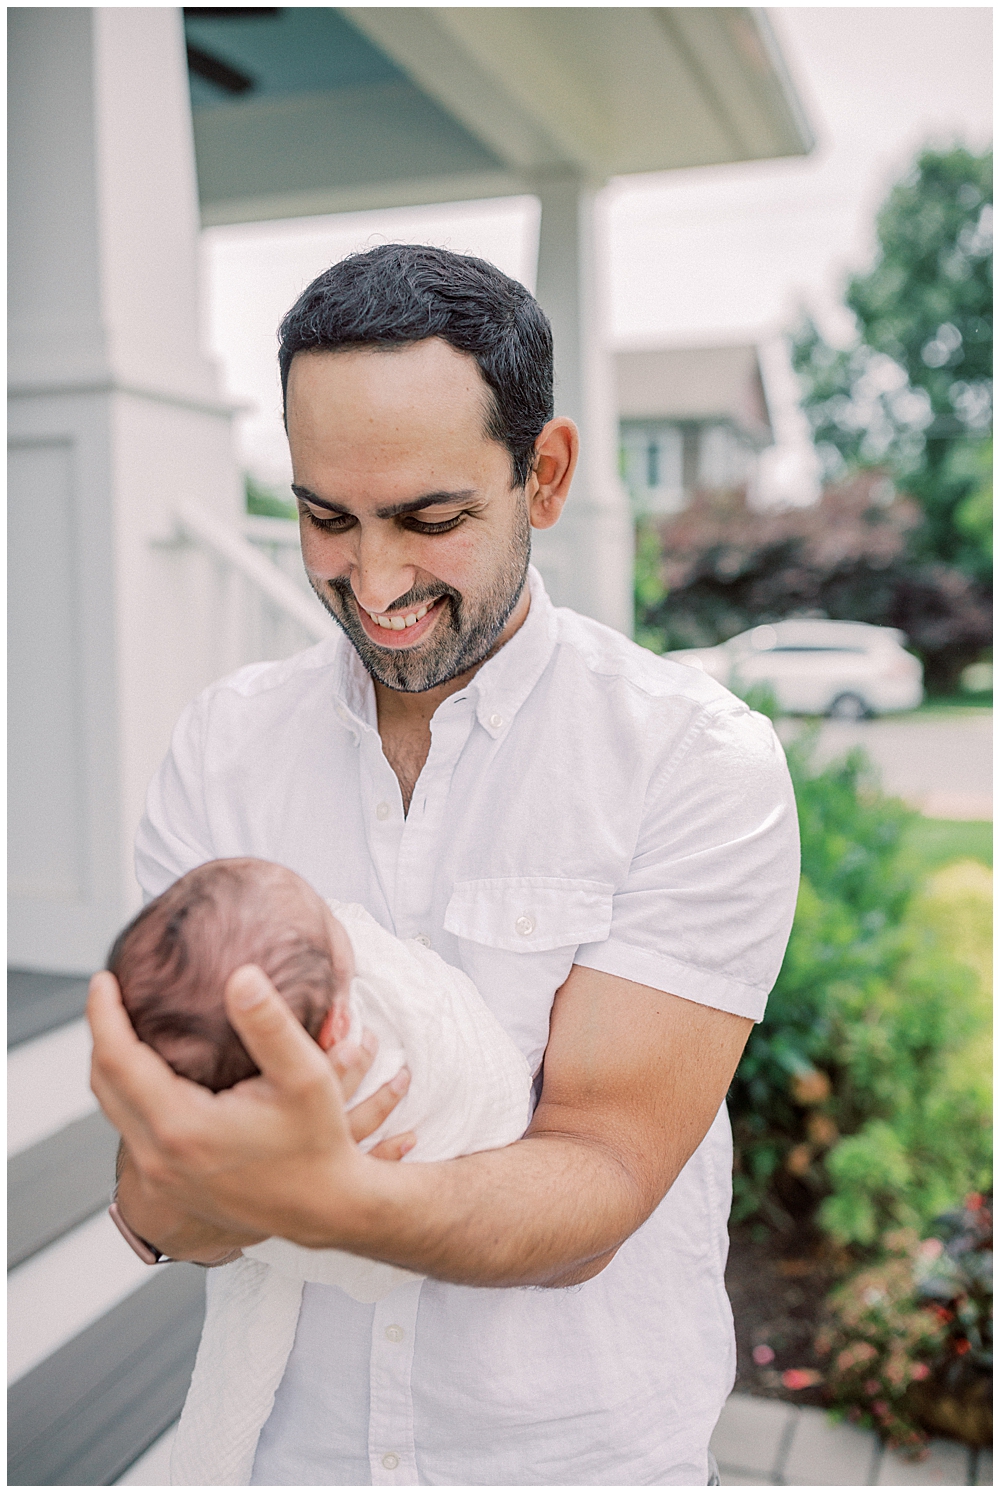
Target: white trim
43 388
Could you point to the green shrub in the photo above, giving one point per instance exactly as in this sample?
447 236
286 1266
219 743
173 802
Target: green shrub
862 1099
263 502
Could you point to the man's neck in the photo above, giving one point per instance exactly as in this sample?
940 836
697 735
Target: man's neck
404 720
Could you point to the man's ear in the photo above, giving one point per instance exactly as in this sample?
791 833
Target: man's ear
556 452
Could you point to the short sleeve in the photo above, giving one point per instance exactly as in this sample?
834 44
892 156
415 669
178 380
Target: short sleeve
707 906
174 834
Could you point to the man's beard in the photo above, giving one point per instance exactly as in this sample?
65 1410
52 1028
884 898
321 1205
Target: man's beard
464 635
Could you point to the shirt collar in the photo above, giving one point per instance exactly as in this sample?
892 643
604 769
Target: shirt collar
506 680
500 687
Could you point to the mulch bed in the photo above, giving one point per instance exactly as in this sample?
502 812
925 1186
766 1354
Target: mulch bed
777 1290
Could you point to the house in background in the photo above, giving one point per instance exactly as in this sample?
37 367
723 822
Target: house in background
690 419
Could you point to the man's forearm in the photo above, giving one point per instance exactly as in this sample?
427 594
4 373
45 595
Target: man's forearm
550 1210
634 1079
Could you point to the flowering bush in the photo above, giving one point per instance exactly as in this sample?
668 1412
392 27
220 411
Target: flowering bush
862 1099
914 1333
880 1339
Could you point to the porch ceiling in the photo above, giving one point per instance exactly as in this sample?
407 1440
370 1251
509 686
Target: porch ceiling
308 110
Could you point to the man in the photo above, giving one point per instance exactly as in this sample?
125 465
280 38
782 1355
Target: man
603 840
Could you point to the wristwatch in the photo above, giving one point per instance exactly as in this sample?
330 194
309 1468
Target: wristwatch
147 1253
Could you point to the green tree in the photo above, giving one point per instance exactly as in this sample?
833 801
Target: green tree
264 502
915 392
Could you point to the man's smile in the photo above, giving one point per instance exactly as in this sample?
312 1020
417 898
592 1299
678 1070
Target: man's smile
401 629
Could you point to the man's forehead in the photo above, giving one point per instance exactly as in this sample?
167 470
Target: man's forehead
420 413
404 371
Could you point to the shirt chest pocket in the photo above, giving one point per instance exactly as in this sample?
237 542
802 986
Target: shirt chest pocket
530 914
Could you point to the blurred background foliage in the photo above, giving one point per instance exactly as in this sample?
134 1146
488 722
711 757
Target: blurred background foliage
916 392
863 1100
861 1109
902 535
264 502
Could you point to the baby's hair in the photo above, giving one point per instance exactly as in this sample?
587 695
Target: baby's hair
174 958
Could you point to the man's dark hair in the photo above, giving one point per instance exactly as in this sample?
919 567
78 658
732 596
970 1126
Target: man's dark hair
400 293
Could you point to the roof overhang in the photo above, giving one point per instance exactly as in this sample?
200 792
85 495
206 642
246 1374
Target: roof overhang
481 101
694 384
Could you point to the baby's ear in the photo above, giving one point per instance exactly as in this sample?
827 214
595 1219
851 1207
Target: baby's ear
336 1025
341 956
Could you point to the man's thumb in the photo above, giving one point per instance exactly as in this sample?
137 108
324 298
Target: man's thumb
248 987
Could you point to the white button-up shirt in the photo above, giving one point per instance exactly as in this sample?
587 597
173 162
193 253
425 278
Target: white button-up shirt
582 802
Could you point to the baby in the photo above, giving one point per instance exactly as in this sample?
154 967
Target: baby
341 973
173 960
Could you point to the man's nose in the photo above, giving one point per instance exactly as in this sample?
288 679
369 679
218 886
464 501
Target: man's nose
381 572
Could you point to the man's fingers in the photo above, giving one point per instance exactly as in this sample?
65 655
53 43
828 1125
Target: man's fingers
129 1078
366 1117
395 1148
351 1061
278 1043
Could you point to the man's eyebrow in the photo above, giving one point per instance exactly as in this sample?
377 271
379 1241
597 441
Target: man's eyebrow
394 510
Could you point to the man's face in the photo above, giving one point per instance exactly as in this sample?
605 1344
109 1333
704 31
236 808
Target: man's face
412 535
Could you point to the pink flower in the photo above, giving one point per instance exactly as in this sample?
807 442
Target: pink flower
872 1386
919 1371
762 1355
801 1378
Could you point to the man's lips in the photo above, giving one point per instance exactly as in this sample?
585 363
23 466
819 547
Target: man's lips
401 636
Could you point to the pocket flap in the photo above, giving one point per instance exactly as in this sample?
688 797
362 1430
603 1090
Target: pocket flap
529 914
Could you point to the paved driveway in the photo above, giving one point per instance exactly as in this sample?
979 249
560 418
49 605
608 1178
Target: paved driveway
942 765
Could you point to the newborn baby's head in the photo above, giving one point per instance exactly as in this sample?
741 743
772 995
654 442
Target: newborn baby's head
173 961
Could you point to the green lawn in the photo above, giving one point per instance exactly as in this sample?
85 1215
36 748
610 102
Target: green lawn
938 842
968 701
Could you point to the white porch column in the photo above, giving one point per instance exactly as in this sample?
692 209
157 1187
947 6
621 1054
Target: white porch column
587 558
115 418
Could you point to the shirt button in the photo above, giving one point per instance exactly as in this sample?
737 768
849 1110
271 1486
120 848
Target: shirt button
422 938
382 811
395 1334
496 721
524 925
390 1461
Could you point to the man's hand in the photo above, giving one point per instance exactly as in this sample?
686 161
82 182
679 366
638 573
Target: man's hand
147 1204
633 1079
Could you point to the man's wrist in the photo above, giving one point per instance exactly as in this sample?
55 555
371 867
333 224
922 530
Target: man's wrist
342 1208
148 1253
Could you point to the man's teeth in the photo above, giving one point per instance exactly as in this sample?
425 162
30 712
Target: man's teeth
397 622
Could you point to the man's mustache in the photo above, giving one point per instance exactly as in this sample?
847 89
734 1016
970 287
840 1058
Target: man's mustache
415 598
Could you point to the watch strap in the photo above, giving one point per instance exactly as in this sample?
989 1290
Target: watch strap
146 1252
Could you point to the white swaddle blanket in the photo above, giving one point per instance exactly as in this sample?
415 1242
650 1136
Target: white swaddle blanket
470 1090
